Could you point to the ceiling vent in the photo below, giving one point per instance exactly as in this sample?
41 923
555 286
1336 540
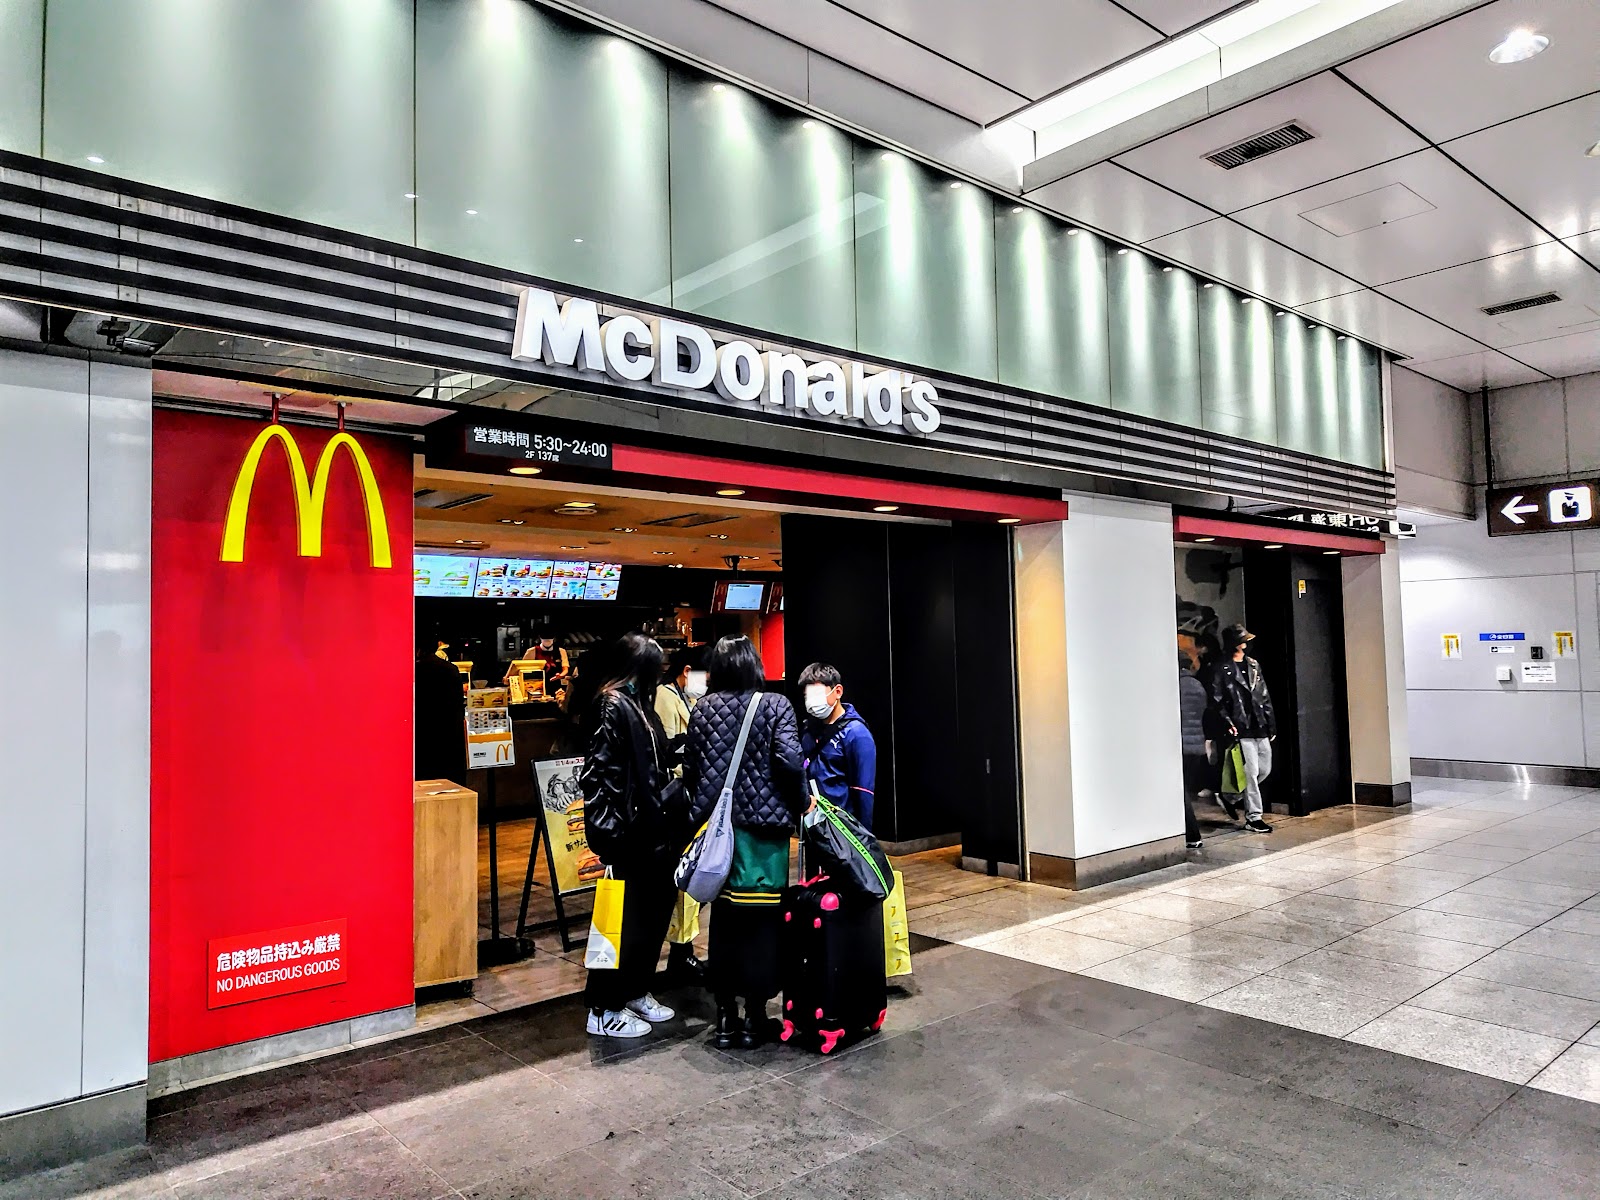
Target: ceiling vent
1291 133
1511 306
436 499
692 520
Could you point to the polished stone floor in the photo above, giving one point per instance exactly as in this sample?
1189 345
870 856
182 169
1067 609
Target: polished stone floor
1365 1004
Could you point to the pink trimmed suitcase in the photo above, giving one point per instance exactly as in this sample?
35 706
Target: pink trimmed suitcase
833 966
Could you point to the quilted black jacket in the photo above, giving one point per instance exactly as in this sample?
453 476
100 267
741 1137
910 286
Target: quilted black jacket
768 791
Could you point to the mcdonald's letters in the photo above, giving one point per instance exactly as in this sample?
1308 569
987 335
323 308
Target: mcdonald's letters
254 966
489 741
676 354
310 495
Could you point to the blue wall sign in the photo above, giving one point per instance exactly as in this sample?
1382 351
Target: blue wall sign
1502 637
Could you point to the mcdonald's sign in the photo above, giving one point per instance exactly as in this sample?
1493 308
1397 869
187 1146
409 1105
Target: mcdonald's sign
310 495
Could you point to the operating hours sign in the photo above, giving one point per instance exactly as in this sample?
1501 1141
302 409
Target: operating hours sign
1544 508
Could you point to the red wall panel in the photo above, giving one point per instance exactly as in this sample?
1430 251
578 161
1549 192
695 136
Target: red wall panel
281 735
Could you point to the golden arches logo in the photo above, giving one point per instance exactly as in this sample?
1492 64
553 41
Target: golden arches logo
310 495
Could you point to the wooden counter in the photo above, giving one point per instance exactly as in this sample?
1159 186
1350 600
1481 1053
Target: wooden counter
445 927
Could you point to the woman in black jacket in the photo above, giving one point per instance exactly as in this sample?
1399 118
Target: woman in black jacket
637 829
746 921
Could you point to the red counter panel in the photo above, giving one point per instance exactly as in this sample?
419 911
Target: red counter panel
281 739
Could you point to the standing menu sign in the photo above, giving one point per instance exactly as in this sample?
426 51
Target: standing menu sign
573 866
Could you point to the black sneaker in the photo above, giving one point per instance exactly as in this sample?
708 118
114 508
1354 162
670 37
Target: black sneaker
1228 806
1257 825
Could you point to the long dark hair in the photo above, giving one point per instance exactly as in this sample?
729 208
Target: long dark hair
636 663
735 666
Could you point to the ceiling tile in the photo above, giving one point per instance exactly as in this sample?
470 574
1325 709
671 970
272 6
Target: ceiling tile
1113 200
1588 245
1351 133
1031 46
846 37
1466 221
1538 163
1442 82
1458 296
1474 372
1174 16
1574 354
1383 322
1240 256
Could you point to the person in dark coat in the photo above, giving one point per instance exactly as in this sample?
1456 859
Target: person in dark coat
1242 706
637 824
747 918
1192 705
440 725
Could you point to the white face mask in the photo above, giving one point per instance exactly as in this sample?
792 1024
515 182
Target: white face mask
817 702
694 686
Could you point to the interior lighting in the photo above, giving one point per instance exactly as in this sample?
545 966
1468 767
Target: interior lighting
664 553
718 537
472 212
579 504
1011 520
1208 285
577 241
1246 299
1205 539
1330 552
887 508
527 470
1518 46
1017 209
955 183
719 87
411 195
511 521
807 124
1281 313
1273 546
1166 270
730 491
1124 250
1072 233
572 547
623 529
96 159
886 155
1593 151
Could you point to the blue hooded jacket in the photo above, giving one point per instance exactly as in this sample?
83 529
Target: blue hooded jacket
843 760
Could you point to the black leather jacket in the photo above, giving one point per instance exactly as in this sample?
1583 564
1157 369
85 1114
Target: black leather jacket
767 792
1239 696
629 814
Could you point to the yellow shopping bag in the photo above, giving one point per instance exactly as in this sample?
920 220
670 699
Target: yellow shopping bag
604 951
685 925
896 932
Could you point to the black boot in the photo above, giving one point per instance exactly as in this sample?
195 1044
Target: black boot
683 968
761 1028
729 1032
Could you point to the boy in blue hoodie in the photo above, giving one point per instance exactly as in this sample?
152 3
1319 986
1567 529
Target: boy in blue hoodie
840 756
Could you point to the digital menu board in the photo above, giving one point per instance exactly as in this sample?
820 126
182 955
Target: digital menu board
514 578
443 575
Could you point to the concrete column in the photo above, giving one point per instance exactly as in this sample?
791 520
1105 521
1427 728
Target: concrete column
1375 673
1102 771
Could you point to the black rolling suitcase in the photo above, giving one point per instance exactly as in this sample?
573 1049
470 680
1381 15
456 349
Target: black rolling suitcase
833 966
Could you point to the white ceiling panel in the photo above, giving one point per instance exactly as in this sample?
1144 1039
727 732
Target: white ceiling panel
1457 296
1588 245
1385 323
1474 372
1466 221
1351 133
1108 198
1574 354
844 36
1538 163
1174 16
1442 82
1032 46
1243 257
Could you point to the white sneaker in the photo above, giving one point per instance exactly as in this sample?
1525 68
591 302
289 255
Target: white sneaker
617 1024
651 1009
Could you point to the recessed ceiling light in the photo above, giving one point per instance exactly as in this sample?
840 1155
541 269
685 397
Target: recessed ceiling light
462 542
955 183
1330 552
663 553
411 195
720 537
1246 299
1072 233
572 547
1166 270
526 470
1205 539
1010 520
96 159
1281 313
730 491
1017 209
623 529
748 557
1341 337
511 521
1208 285
1273 546
579 504
887 508
1518 46
472 212
577 241
679 566
1124 250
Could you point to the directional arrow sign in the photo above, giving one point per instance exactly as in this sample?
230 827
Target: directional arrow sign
1516 508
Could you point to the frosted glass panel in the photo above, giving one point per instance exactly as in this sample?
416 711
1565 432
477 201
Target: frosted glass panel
1324 431
21 74
1360 403
763 214
542 147
296 107
1308 386
1155 351
1051 304
1236 375
924 267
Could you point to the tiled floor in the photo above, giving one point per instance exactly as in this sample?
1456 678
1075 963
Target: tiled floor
1465 932
995 1078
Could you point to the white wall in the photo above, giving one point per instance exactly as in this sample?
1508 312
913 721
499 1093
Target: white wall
74 741
1433 444
1097 649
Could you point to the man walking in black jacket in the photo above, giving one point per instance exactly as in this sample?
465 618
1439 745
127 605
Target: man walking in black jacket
1244 710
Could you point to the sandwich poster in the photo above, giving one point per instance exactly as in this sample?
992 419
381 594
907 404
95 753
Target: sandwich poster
576 867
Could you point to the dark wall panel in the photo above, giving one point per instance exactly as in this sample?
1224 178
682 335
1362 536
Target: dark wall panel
922 645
